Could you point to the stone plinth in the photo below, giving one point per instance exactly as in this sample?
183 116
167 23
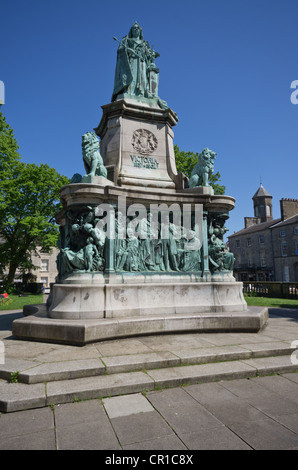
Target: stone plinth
137 144
136 297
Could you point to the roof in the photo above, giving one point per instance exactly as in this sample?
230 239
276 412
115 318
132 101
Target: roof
290 220
261 192
256 228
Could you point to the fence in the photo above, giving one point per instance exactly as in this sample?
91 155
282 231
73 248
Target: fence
283 290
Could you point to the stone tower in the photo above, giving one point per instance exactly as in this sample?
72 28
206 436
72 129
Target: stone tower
262 204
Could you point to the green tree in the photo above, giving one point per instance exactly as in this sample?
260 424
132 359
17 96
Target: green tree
29 201
185 162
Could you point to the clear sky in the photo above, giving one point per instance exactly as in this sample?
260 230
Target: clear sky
226 68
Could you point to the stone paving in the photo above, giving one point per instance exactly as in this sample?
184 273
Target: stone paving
242 414
255 412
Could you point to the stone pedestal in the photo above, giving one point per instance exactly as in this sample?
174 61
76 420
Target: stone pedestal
137 145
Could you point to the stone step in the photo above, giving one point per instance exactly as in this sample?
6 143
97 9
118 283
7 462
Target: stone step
20 396
32 372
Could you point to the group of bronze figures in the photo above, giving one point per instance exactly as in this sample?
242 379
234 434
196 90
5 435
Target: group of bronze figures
145 245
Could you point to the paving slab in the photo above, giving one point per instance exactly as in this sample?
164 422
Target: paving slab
42 440
62 370
266 434
221 339
67 353
271 365
176 343
227 407
26 422
214 439
126 405
125 346
64 391
18 396
130 362
84 426
182 412
270 403
12 365
132 429
292 377
289 421
266 349
174 376
68 414
213 354
280 384
166 443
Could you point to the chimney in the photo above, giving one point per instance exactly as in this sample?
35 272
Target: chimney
288 208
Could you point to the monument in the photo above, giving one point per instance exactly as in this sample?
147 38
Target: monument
142 248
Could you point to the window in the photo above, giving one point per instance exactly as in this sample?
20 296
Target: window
268 210
237 243
296 230
282 233
296 247
248 242
261 239
44 265
283 247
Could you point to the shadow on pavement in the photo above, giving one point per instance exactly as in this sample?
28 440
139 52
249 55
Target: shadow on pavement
290 313
6 319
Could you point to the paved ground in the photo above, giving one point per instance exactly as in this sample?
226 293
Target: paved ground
255 413
242 414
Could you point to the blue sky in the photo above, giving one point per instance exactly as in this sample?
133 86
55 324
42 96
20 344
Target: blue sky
226 67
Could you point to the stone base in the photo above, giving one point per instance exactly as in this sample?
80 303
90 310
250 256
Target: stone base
39 327
138 295
97 180
200 191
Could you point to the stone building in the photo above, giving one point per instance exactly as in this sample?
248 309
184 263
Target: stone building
45 262
46 267
267 249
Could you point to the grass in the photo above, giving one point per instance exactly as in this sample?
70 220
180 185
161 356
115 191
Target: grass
271 302
14 302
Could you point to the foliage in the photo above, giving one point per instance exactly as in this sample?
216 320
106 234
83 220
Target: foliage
185 162
14 377
29 200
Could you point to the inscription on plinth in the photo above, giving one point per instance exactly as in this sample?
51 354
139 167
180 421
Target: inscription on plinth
139 161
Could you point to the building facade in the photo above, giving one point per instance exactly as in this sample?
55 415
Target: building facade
45 271
45 263
267 249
